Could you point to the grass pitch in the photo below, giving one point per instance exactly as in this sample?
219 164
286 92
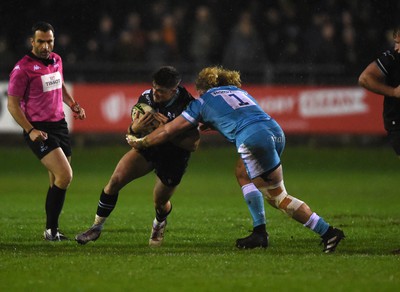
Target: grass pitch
354 189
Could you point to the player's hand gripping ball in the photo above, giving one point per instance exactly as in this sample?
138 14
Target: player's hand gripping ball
145 122
147 125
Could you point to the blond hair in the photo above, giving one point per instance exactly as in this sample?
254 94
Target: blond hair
217 76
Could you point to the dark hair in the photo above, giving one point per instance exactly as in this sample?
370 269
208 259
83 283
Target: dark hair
167 76
42 26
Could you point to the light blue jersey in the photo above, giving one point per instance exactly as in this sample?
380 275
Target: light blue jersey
238 117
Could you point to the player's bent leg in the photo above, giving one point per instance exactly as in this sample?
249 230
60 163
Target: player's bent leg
131 166
252 196
161 196
298 210
255 203
162 204
277 196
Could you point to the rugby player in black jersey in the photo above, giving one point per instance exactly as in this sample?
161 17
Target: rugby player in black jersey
169 160
382 76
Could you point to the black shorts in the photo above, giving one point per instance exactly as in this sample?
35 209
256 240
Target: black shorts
394 139
169 161
57 136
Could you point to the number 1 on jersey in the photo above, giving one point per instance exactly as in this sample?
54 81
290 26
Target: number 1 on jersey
237 99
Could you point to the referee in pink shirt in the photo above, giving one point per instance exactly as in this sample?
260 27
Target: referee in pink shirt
36 93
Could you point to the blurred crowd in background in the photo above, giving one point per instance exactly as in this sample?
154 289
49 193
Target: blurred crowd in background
262 39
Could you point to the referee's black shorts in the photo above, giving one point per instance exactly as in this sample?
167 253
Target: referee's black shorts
57 136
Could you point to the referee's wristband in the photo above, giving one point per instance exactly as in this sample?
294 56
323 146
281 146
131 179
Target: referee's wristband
30 131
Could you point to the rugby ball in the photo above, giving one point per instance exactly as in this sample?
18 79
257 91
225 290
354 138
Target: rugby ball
143 108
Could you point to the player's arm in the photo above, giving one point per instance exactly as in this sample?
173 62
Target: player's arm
79 112
16 112
188 140
163 133
373 79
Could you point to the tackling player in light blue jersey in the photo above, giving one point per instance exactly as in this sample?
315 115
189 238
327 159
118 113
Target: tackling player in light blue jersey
237 116
259 140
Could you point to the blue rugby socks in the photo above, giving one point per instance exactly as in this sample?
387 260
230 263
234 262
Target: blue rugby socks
317 224
255 203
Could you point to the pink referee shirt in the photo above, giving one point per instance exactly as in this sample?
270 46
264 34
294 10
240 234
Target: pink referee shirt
40 87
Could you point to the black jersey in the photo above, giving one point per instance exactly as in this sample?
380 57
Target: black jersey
172 108
389 63
169 160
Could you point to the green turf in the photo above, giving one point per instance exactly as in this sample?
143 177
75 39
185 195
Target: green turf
354 189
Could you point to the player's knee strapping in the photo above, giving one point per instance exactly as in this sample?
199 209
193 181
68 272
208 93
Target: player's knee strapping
283 201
